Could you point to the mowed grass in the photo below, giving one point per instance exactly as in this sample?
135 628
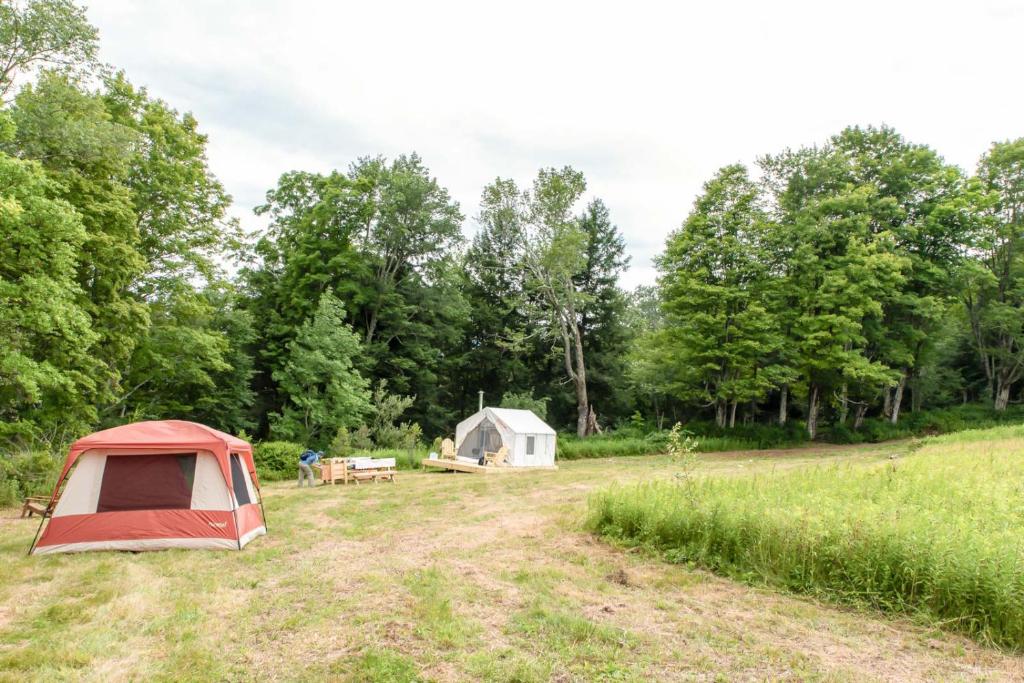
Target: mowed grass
937 533
445 577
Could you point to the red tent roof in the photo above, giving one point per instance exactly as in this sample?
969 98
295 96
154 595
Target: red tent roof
163 434
159 434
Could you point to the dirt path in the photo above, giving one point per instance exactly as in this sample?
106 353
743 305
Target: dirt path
465 577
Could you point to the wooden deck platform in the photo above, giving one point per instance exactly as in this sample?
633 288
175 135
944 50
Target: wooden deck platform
459 466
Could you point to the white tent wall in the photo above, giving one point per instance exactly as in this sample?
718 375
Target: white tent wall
209 490
543 454
82 491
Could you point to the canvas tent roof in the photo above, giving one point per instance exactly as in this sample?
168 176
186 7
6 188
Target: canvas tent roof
521 421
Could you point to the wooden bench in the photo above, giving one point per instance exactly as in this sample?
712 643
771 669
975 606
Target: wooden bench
38 505
387 474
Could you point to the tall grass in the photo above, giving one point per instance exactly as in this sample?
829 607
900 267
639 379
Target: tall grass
939 533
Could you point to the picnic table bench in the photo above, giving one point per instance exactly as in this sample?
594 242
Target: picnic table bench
357 469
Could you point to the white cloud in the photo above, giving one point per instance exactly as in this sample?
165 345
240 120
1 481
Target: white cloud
648 100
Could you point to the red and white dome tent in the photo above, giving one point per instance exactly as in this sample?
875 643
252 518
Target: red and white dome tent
153 486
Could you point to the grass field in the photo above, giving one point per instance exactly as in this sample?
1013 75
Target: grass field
452 577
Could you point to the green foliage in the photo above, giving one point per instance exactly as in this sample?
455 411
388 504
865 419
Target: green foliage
570 447
894 536
993 283
361 439
43 33
341 444
379 237
387 408
720 336
324 388
89 156
47 374
27 473
526 401
277 460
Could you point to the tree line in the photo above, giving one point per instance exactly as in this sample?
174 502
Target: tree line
864 276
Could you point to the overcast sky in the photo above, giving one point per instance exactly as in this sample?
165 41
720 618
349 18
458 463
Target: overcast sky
647 100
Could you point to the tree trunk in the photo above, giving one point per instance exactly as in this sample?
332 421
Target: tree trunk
580 378
720 413
1002 396
897 398
592 426
812 412
371 327
783 404
732 415
844 405
887 403
576 368
858 416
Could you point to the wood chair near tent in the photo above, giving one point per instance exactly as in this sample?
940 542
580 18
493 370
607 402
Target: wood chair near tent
496 458
39 505
447 449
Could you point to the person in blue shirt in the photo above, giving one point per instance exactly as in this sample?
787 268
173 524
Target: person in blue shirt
307 461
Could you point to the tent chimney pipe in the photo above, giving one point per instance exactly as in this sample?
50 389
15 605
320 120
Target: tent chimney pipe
481 393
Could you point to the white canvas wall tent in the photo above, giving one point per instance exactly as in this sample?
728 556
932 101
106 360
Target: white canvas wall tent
530 441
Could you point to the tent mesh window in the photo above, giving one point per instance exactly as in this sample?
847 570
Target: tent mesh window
147 482
529 445
238 481
483 438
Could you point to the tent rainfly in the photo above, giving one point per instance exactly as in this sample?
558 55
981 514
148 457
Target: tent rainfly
530 441
153 486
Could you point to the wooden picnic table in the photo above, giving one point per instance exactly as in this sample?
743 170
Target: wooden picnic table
357 469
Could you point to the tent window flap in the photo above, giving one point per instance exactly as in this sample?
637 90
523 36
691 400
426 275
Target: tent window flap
147 482
238 481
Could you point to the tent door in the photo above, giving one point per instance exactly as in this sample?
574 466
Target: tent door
484 437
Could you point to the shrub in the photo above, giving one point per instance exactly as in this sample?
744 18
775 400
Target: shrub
341 445
27 473
526 401
387 408
277 460
361 440
405 459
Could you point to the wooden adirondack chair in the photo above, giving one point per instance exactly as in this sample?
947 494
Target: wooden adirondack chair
39 505
497 458
447 449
